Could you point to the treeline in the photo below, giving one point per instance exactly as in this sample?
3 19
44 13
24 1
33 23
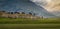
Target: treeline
17 15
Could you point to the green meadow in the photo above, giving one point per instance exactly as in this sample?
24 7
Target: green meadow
29 26
28 23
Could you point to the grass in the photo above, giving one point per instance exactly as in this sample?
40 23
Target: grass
29 26
27 23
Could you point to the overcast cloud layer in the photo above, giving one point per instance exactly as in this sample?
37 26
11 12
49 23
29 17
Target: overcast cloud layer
52 6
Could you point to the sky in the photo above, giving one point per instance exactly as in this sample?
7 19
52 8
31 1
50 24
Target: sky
52 6
39 7
48 4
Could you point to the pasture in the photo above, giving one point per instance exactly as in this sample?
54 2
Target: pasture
29 26
27 23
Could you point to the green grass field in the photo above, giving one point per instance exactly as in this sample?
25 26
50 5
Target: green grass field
29 26
29 21
26 23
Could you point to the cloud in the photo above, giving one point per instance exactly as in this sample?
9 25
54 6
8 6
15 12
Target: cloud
40 2
52 6
49 5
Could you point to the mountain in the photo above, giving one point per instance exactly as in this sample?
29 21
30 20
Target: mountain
25 6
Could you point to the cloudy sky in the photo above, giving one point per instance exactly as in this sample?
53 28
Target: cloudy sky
52 6
48 4
40 7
